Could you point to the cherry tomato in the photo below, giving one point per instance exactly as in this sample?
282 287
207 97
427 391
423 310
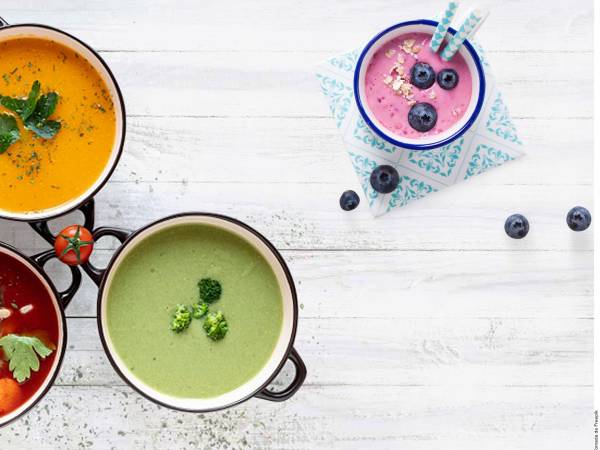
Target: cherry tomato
74 245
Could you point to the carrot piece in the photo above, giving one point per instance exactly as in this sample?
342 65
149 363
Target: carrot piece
10 395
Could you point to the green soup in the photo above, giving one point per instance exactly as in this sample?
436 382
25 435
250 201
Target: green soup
162 271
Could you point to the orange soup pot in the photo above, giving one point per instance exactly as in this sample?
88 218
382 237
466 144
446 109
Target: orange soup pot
44 176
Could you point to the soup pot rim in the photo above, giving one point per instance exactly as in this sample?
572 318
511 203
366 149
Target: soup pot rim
100 277
36 262
22 217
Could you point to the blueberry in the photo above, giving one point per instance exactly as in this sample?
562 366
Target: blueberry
422 117
447 79
349 200
516 226
385 179
579 219
422 75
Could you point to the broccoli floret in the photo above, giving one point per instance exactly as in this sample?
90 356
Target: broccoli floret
181 319
215 326
210 290
199 310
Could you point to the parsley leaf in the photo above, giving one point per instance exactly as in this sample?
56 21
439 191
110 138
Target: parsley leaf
46 105
9 132
22 353
35 111
46 129
23 107
14 104
30 105
38 121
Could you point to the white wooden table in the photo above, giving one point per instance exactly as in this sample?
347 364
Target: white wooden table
424 329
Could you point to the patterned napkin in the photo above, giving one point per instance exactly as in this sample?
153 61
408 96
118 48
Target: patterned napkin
489 143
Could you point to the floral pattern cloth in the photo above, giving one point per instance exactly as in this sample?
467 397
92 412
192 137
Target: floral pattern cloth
490 142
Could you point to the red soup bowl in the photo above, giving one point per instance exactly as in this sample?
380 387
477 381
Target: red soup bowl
32 322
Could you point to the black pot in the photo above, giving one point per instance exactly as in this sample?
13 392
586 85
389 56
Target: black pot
35 264
66 39
258 386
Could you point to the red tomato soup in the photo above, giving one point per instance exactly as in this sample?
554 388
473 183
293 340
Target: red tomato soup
28 305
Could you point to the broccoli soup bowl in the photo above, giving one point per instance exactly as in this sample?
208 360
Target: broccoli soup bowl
198 312
62 122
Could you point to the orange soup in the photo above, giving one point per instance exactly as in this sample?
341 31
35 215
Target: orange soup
40 172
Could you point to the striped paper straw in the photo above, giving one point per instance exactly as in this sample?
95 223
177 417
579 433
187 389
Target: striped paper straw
442 28
466 30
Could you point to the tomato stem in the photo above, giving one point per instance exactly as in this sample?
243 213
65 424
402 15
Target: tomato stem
75 244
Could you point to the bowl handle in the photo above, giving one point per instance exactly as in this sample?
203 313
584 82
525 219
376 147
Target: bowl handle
41 227
93 272
67 295
288 392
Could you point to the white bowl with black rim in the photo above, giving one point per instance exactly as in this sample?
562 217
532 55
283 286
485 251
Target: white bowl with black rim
426 142
45 32
258 385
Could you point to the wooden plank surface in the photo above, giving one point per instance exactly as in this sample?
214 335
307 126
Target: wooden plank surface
402 352
426 328
420 284
307 215
407 417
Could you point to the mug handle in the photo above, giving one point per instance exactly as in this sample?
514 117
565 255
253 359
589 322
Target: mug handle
296 383
41 227
67 295
93 272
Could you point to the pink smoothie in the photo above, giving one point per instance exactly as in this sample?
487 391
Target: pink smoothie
390 95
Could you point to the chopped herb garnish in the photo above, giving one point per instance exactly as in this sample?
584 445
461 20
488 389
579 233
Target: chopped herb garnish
22 353
99 107
9 132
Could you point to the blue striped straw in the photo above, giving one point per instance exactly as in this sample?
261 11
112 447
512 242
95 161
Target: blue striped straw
440 32
466 30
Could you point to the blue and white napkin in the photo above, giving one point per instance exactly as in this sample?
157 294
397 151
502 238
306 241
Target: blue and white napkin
489 143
